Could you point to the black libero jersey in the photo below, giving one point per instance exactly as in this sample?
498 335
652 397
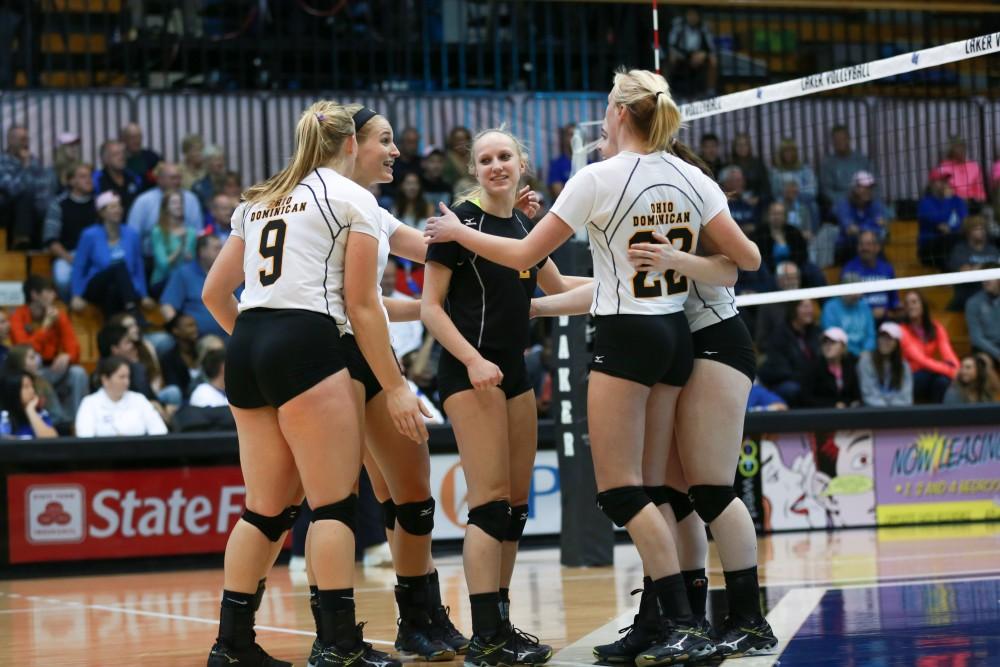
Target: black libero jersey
488 303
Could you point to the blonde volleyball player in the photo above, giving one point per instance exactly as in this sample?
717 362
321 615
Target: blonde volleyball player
707 445
642 350
478 311
297 416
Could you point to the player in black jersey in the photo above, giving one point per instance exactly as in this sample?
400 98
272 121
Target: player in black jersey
478 311
297 416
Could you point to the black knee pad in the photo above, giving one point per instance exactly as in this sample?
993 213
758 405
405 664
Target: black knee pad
518 518
345 511
668 495
623 503
416 518
389 514
273 527
711 501
492 518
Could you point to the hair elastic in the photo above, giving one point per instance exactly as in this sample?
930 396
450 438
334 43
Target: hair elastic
362 116
320 117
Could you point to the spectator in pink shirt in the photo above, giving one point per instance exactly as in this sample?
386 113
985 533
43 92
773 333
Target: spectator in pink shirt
966 176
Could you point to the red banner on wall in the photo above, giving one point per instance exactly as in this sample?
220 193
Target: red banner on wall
121 514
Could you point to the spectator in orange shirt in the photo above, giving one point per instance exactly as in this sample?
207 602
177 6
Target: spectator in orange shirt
927 349
46 328
966 176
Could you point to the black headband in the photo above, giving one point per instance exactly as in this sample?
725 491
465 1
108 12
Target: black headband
363 115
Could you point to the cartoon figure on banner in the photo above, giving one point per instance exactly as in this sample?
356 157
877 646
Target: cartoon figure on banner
845 460
790 485
818 480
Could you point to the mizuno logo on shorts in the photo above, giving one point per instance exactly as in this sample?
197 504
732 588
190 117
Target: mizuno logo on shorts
598 358
709 353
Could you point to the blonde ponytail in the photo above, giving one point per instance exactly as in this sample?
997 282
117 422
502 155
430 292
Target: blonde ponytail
319 138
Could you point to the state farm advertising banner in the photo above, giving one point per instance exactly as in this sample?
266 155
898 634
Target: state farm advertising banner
121 514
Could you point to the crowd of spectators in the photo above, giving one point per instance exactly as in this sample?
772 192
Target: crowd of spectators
136 238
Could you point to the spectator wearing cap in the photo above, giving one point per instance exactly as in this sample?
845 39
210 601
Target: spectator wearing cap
966 176
973 252
145 213
982 316
46 328
26 190
114 176
927 349
940 214
859 211
107 267
436 189
214 179
744 211
220 216
851 314
70 213
883 375
183 291
192 160
837 170
868 266
66 155
789 164
139 160
408 161
831 380
710 150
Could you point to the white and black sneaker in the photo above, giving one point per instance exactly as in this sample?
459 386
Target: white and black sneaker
741 637
681 643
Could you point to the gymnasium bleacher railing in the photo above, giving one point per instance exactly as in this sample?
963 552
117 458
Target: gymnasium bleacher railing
440 45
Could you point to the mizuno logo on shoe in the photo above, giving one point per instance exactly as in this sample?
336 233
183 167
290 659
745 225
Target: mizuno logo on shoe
734 644
229 658
680 643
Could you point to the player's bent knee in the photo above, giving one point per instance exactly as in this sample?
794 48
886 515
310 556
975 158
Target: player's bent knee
518 519
416 518
345 511
668 495
389 514
623 503
492 518
711 501
273 527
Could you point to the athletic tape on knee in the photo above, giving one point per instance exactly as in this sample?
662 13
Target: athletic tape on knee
416 518
273 527
668 495
623 503
344 511
389 514
518 519
492 518
711 501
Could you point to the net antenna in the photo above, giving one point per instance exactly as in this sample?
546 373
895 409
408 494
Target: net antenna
581 147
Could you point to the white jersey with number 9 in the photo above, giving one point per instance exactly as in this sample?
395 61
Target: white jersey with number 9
295 247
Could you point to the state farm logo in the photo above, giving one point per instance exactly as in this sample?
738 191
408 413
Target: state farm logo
55 514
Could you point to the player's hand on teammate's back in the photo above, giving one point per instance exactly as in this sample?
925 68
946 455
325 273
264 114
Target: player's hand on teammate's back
527 202
659 256
443 228
407 413
484 374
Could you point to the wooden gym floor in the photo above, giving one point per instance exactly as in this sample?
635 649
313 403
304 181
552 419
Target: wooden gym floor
904 596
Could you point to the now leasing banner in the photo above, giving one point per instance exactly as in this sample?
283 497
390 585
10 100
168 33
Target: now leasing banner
121 514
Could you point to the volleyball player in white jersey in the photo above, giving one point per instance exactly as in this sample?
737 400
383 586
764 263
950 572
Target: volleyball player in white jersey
399 470
642 347
297 416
